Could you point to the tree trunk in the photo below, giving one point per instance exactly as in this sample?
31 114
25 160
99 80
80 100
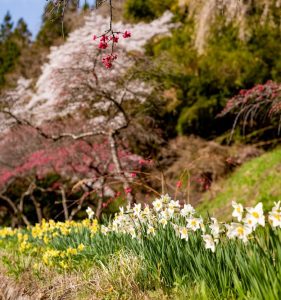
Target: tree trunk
37 208
120 173
64 204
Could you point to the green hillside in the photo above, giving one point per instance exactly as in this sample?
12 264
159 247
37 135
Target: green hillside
258 180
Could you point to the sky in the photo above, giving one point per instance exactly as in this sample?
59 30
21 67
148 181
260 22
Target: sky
30 10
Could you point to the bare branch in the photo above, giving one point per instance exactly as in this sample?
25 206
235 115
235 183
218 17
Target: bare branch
64 204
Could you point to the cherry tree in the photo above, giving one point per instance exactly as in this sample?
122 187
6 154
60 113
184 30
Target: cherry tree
77 104
87 164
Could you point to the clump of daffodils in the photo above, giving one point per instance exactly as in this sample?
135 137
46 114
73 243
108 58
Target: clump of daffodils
141 220
42 240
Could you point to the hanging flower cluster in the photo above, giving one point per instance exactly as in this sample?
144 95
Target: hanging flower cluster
138 221
262 99
109 39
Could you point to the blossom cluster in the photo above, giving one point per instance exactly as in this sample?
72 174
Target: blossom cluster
137 221
105 40
265 98
69 68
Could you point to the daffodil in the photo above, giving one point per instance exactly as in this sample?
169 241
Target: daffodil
90 212
215 228
187 210
81 247
256 214
104 230
238 211
274 216
71 251
165 199
275 219
137 209
157 205
241 231
151 230
209 242
249 221
132 232
183 231
63 264
146 211
163 221
194 223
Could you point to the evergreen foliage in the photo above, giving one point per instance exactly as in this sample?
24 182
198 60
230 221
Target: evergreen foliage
11 41
146 10
53 26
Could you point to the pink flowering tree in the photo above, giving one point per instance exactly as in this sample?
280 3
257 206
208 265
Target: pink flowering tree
256 106
86 165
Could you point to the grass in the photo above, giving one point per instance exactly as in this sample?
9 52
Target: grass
79 261
255 181
158 267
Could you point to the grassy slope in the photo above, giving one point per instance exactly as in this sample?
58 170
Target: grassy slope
258 180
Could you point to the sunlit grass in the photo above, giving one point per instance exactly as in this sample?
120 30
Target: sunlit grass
255 181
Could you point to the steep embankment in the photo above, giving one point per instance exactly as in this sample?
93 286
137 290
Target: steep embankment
256 181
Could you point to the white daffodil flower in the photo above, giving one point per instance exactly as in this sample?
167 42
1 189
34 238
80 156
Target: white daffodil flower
146 211
114 226
183 231
203 227
132 232
215 227
194 223
90 213
250 221
174 203
274 218
238 211
239 230
163 221
157 205
137 210
256 213
187 210
104 230
209 242
151 230
171 207
166 214
165 199
171 212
